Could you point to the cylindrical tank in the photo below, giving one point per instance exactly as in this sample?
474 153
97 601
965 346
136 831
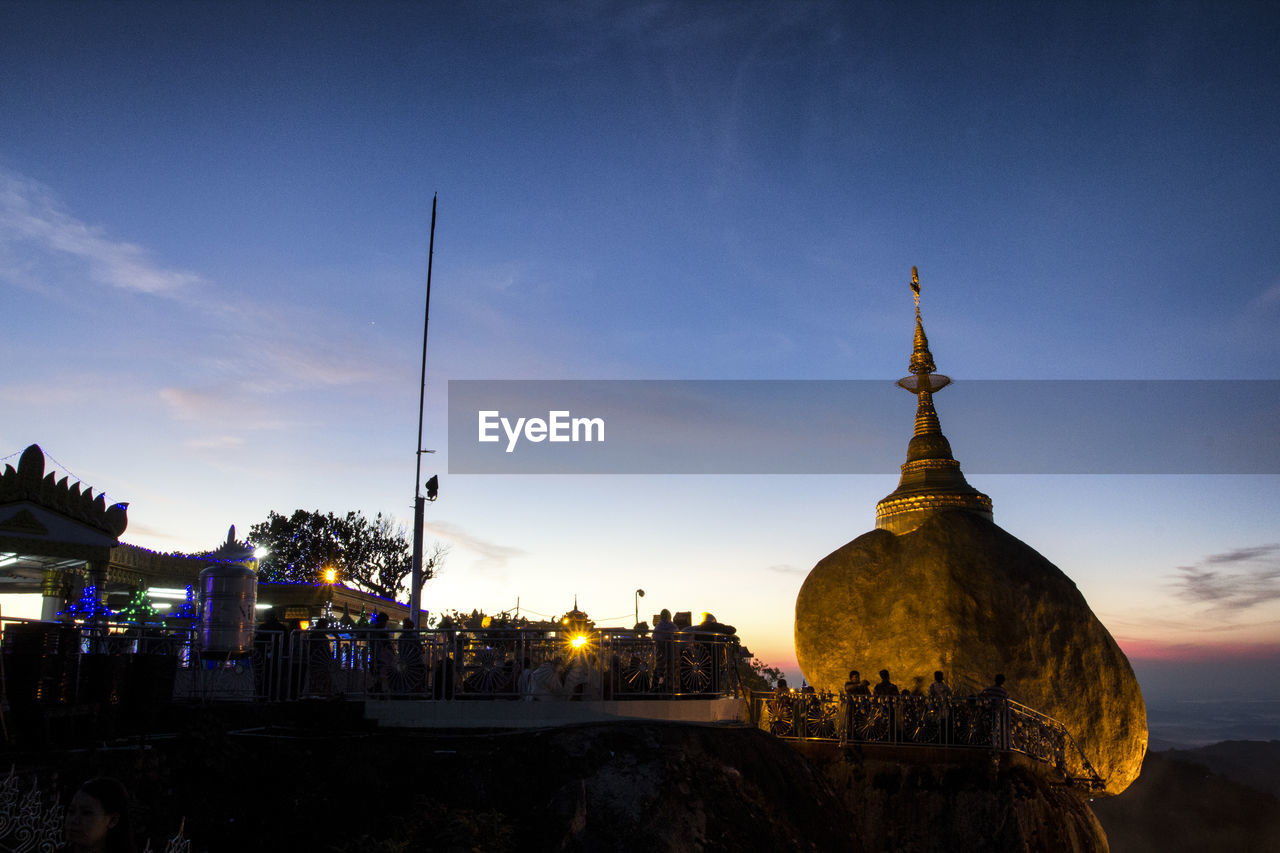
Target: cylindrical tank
228 595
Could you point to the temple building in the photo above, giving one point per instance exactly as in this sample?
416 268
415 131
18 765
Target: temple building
937 585
58 538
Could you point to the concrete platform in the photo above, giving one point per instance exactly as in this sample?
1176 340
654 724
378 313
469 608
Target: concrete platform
503 714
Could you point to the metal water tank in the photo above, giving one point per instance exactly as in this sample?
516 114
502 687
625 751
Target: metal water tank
228 595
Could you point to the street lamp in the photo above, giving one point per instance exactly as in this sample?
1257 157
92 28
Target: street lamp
639 595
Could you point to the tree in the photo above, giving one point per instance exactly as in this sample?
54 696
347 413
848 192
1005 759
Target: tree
371 555
755 674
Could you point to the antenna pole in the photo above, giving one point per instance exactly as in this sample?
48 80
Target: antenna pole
419 502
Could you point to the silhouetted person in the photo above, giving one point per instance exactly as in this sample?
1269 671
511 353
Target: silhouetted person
273 623
382 655
996 690
442 678
857 685
939 689
940 693
886 687
524 683
412 657
664 635
664 628
714 637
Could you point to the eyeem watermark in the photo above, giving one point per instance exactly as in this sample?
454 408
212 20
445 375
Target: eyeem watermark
861 426
558 426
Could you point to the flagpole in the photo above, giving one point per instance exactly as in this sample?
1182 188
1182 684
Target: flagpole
419 502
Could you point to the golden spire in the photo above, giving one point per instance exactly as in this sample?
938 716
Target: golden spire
931 478
921 358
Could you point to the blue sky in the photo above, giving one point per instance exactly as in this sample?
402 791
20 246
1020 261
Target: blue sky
213 230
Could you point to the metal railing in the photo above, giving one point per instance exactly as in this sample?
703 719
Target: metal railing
48 663
59 664
511 664
963 722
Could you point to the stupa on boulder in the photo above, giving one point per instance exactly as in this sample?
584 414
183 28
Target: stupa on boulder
939 586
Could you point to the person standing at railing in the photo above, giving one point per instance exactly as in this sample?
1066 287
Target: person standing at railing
939 689
714 636
524 682
997 689
382 654
940 696
857 685
856 690
412 659
999 698
664 636
886 687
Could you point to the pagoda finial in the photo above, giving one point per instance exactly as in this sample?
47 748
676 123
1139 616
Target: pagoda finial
931 477
921 358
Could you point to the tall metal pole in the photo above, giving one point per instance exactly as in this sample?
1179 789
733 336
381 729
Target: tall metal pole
419 502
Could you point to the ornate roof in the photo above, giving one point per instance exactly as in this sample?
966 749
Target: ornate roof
29 483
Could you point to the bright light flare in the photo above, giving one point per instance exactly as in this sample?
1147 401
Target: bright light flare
577 641
330 575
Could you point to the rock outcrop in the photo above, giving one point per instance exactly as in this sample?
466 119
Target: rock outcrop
940 801
626 786
961 595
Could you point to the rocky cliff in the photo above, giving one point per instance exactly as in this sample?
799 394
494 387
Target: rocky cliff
627 786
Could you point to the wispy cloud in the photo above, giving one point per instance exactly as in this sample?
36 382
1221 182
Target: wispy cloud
785 569
1242 555
1253 580
492 558
219 406
222 362
215 442
31 214
1268 297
